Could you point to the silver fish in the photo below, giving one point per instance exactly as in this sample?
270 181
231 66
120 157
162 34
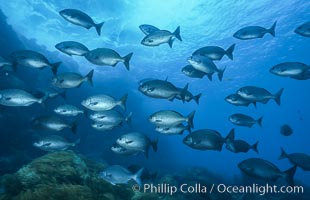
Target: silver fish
80 18
17 97
137 141
215 52
111 117
173 130
171 118
244 120
161 89
190 71
295 70
53 123
237 100
263 169
117 174
33 59
205 65
54 143
257 94
72 80
72 48
207 139
303 29
253 32
300 159
68 110
147 29
104 102
159 37
104 56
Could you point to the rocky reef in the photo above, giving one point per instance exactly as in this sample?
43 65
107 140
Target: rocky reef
61 176
66 175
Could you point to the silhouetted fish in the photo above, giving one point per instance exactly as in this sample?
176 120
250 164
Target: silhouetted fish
286 130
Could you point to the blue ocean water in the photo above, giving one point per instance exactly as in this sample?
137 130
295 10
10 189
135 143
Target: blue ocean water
38 26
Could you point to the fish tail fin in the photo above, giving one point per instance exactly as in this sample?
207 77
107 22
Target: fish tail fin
128 118
183 92
220 73
254 103
289 175
76 142
259 121
137 176
98 27
230 50
283 154
122 102
63 94
127 59
154 144
231 136
74 127
42 101
197 97
55 67
254 147
176 33
210 76
277 96
190 119
89 77
272 29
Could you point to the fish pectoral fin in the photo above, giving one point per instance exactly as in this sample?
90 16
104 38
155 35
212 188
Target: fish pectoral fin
151 89
128 142
158 120
46 145
94 103
197 142
249 169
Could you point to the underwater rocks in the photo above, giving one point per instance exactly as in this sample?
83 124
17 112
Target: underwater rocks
61 175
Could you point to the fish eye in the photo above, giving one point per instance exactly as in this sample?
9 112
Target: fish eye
150 40
129 141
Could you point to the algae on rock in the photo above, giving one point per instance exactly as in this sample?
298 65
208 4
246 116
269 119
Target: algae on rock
61 175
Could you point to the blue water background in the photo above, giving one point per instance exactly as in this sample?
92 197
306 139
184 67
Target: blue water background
202 23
